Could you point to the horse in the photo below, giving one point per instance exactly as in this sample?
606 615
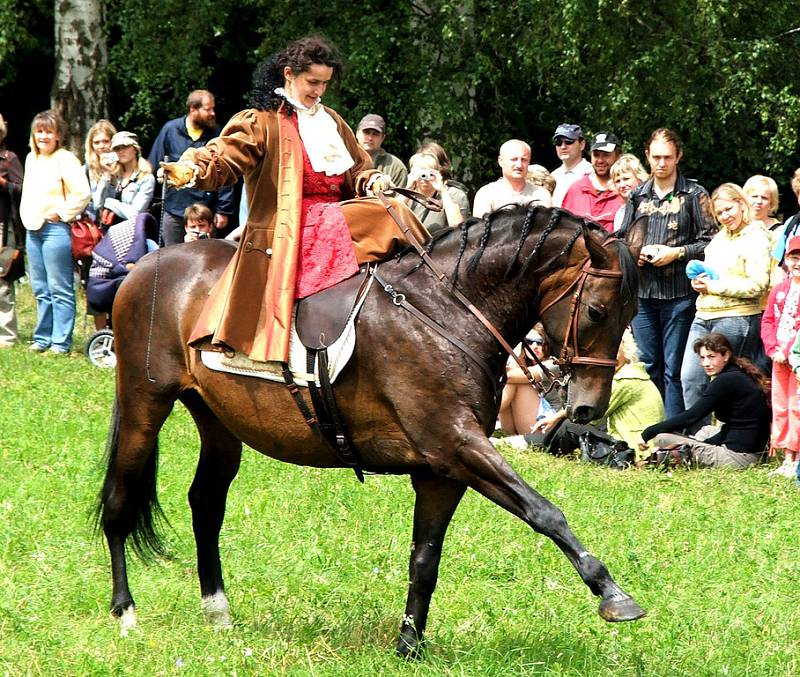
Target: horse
518 265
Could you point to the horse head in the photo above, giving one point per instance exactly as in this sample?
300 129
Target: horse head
586 307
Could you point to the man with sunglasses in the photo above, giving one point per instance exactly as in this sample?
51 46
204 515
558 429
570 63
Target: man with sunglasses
569 143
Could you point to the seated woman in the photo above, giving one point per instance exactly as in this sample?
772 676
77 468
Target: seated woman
521 406
634 405
738 395
424 176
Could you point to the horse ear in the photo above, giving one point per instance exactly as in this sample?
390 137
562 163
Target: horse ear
634 236
597 253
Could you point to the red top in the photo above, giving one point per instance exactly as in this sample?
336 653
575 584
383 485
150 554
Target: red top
583 199
327 255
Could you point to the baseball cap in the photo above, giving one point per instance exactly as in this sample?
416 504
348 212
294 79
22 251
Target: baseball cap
793 245
568 131
605 141
373 121
121 139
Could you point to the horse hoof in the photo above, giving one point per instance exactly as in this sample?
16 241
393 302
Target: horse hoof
408 646
127 621
619 610
217 611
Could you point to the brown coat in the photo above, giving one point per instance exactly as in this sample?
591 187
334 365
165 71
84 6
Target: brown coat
250 308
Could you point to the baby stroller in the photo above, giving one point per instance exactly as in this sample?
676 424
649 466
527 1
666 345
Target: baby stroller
112 259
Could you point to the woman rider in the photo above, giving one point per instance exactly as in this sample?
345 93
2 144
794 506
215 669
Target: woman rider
299 160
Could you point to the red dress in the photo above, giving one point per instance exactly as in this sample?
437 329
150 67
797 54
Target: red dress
327 255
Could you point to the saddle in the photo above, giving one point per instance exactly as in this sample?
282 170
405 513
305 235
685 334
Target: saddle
322 317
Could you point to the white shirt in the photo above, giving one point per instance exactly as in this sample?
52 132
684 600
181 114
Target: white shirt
500 193
566 177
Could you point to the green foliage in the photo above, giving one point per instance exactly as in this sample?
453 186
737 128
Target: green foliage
472 73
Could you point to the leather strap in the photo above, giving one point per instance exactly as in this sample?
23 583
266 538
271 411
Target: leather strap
399 299
457 294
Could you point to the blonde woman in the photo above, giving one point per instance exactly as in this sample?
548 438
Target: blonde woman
130 189
733 291
54 193
99 163
762 194
626 173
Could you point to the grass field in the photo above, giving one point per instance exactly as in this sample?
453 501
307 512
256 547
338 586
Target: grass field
316 563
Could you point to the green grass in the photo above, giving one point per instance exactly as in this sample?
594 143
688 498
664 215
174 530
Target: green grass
316 564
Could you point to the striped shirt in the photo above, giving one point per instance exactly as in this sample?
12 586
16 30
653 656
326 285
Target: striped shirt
681 218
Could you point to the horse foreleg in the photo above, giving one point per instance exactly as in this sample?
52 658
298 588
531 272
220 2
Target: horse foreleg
489 473
437 499
220 455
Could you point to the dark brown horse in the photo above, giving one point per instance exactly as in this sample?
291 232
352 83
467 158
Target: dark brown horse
517 265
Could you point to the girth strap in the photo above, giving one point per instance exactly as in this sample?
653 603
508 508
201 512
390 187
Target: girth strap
330 423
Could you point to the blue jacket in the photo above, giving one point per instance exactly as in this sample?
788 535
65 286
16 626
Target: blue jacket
172 141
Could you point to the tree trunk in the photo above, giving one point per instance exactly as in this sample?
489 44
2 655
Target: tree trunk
80 86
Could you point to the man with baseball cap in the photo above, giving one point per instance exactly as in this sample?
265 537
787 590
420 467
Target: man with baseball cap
593 195
569 142
370 135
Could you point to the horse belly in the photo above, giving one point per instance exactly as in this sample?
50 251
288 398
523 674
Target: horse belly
264 416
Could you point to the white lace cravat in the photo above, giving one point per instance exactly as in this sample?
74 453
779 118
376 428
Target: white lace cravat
320 136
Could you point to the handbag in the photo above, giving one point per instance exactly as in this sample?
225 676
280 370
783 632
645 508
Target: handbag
617 455
84 237
12 264
84 233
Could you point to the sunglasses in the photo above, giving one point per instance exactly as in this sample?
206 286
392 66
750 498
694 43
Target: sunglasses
535 342
561 141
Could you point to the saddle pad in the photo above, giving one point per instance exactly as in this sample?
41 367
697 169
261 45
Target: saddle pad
339 354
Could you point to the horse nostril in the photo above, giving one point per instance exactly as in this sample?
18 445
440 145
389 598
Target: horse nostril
582 413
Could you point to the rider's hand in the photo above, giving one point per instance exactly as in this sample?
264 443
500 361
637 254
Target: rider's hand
178 174
379 183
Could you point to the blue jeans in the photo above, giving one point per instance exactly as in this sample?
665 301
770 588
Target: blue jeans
53 285
660 329
744 334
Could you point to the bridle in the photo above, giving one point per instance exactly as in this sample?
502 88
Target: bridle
565 361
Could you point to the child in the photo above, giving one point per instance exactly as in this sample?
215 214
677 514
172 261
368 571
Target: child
197 221
779 330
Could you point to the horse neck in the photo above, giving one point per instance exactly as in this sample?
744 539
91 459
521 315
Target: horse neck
511 303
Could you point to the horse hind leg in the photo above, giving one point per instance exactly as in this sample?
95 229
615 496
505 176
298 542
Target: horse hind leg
128 503
486 471
436 501
220 455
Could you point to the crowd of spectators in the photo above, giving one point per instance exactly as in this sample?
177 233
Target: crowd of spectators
720 265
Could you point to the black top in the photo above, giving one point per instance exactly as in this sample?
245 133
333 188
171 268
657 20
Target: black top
737 401
682 218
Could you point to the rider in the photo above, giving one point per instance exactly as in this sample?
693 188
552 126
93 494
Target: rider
299 160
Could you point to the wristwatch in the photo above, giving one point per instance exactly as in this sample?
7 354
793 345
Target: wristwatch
681 253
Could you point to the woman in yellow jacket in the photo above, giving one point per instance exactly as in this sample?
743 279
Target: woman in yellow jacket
733 290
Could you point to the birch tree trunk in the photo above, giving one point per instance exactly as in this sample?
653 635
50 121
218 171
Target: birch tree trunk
80 86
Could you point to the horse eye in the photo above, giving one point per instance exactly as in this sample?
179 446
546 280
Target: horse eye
596 315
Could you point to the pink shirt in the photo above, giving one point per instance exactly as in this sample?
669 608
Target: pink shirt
583 199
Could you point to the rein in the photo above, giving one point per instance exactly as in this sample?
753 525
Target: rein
564 361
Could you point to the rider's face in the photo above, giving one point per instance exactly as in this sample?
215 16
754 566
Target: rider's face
309 86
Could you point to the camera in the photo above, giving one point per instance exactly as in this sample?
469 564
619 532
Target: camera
108 159
426 175
202 236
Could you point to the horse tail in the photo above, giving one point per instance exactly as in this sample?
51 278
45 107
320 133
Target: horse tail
128 505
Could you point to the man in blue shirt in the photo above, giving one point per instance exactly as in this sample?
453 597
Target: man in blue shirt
193 131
